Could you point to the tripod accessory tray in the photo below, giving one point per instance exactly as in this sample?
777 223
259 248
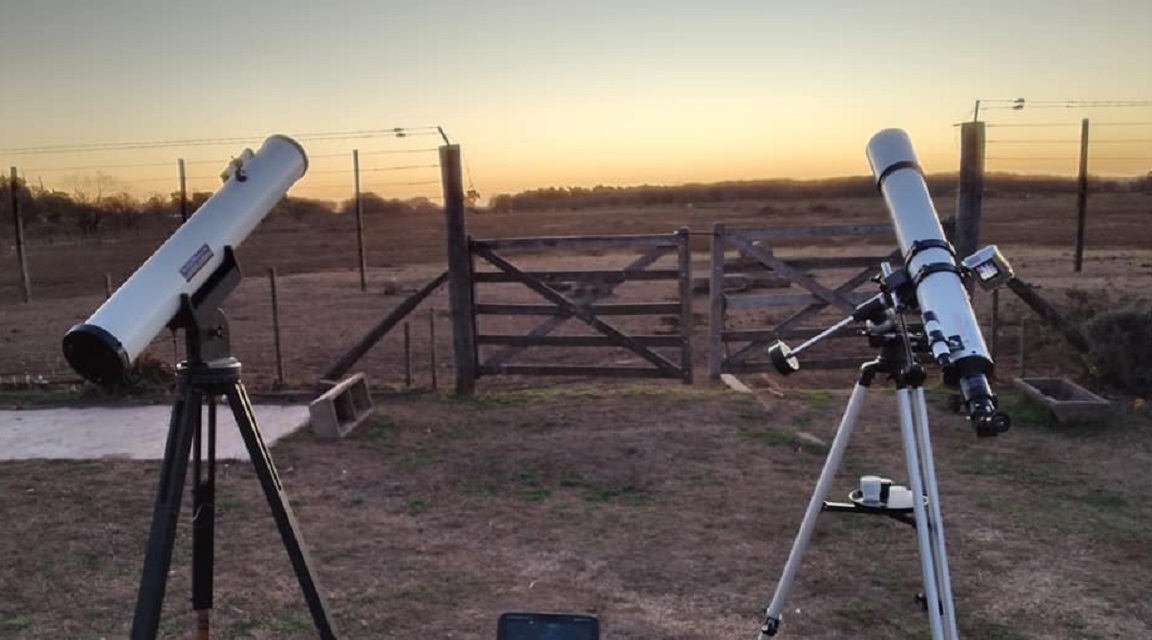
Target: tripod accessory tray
900 509
899 501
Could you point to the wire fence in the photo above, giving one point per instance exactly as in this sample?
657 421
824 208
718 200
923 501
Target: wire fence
396 163
1114 136
1108 149
95 194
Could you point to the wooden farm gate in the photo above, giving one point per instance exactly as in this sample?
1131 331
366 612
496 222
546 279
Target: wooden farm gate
805 296
571 294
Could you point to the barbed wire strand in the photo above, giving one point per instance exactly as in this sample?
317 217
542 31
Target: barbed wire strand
399 132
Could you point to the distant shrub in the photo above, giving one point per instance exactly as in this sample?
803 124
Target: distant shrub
149 376
1122 347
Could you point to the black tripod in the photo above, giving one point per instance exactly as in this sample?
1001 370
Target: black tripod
209 372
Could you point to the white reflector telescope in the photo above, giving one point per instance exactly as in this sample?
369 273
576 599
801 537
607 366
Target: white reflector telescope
105 346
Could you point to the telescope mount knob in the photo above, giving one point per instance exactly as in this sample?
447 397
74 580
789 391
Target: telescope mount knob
783 359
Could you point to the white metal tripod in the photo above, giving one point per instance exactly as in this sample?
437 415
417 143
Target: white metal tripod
895 362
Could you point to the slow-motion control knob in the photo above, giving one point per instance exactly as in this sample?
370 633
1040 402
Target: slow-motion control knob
783 359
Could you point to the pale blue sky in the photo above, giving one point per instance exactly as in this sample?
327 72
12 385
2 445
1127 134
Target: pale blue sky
543 92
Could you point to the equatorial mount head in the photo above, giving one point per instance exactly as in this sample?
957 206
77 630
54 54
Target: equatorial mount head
882 317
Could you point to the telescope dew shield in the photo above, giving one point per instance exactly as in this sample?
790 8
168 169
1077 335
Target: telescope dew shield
104 347
949 322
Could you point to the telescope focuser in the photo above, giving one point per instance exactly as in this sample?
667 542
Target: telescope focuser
986 418
987 421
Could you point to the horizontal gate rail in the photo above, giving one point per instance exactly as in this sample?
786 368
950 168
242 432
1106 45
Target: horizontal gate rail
668 241
601 276
621 309
576 341
779 233
575 370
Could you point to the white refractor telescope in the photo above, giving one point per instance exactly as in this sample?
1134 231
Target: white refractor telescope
950 325
103 348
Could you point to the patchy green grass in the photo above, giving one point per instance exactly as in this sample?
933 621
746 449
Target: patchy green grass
528 500
381 430
85 395
782 437
418 503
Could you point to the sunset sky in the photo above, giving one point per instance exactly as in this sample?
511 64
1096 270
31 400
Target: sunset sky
541 93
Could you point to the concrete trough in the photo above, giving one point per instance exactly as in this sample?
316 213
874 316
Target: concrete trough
1067 400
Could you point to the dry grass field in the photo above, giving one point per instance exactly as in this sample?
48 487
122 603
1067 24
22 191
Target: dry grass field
666 510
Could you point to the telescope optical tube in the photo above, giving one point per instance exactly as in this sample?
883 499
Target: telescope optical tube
103 348
953 333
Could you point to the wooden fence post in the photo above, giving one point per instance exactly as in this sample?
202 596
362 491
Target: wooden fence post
18 220
183 191
459 271
1082 195
716 298
1023 347
684 248
407 357
276 327
359 220
970 196
432 346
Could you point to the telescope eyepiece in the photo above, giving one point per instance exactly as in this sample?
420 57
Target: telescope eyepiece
990 426
986 418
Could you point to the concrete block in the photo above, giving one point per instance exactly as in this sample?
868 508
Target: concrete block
1066 400
342 408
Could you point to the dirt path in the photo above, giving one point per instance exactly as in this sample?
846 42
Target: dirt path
136 433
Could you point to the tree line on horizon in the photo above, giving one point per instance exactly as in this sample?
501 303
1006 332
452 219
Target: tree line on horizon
576 198
94 213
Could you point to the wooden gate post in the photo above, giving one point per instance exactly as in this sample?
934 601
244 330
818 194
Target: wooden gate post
970 197
1082 195
716 298
684 247
460 285
280 380
359 220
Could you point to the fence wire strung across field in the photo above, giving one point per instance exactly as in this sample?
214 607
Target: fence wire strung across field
396 163
1117 136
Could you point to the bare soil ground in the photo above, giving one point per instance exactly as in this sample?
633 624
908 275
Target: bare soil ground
666 510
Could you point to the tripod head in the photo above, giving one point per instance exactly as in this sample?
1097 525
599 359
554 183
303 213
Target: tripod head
207 338
886 329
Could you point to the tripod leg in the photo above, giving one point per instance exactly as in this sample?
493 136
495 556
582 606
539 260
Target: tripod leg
204 525
940 554
923 536
815 505
153 580
281 510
